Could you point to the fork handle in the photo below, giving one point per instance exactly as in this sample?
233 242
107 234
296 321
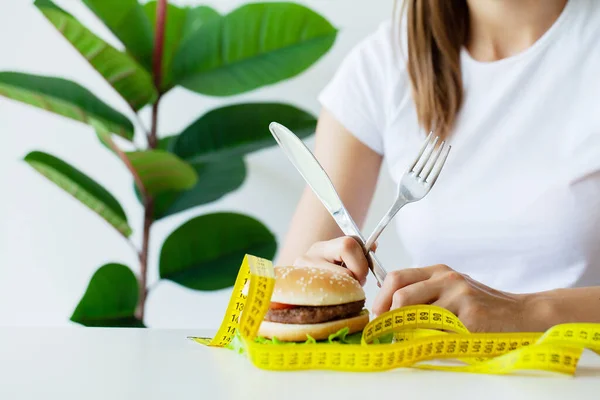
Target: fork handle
383 223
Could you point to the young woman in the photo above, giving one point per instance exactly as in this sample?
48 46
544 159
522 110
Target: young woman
509 237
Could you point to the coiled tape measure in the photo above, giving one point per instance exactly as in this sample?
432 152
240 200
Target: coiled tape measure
422 334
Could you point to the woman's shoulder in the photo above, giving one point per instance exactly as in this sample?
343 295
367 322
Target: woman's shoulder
582 42
360 91
376 64
383 49
584 25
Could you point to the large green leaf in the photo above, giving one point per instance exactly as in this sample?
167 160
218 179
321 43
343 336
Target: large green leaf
166 142
253 46
161 171
121 71
110 299
239 129
215 180
65 98
206 252
181 22
81 187
128 22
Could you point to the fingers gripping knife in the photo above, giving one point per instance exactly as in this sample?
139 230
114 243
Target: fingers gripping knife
318 180
416 182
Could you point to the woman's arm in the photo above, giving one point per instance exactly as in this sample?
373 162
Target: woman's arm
546 309
353 168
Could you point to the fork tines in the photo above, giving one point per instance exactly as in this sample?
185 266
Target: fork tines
426 167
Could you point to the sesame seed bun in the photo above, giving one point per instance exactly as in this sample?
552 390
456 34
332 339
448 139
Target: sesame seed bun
314 287
299 332
308 286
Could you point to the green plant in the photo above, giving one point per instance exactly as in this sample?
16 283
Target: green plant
205 52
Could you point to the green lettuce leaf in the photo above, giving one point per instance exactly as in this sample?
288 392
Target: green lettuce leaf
310 340
339 337
385 339
236 344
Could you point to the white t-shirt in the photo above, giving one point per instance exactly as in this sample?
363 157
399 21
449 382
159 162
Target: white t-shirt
517 206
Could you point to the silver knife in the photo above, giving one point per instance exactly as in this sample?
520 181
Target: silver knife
318 180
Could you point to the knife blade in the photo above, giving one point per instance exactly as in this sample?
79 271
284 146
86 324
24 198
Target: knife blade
318 180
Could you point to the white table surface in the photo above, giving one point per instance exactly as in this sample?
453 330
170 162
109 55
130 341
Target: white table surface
113 364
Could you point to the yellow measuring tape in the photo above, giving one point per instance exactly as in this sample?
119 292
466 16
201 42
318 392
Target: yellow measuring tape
422 334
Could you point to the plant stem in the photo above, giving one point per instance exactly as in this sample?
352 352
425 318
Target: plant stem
161 14
153 137
148 220
161 11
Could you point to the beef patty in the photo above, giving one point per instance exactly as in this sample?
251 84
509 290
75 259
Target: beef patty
315 314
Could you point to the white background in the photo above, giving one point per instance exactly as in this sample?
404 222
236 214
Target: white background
50 245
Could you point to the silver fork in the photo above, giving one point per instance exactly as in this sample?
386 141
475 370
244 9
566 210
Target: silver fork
416 182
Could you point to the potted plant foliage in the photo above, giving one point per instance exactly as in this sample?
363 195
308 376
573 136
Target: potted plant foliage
203 51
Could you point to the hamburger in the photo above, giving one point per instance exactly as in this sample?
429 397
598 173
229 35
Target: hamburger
313 302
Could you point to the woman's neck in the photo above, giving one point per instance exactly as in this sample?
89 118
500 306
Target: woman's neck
502 28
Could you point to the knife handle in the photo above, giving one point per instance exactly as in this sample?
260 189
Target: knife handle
347 225
373 262
376 268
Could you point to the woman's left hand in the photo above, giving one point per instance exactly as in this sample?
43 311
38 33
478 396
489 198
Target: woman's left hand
480 308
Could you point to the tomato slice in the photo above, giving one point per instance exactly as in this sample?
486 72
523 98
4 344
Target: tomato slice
280 306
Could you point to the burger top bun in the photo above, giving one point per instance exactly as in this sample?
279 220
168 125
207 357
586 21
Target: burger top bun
309 286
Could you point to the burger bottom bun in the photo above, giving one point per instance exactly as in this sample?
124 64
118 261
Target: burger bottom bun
298 332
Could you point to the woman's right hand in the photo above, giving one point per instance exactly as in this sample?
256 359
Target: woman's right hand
330 254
